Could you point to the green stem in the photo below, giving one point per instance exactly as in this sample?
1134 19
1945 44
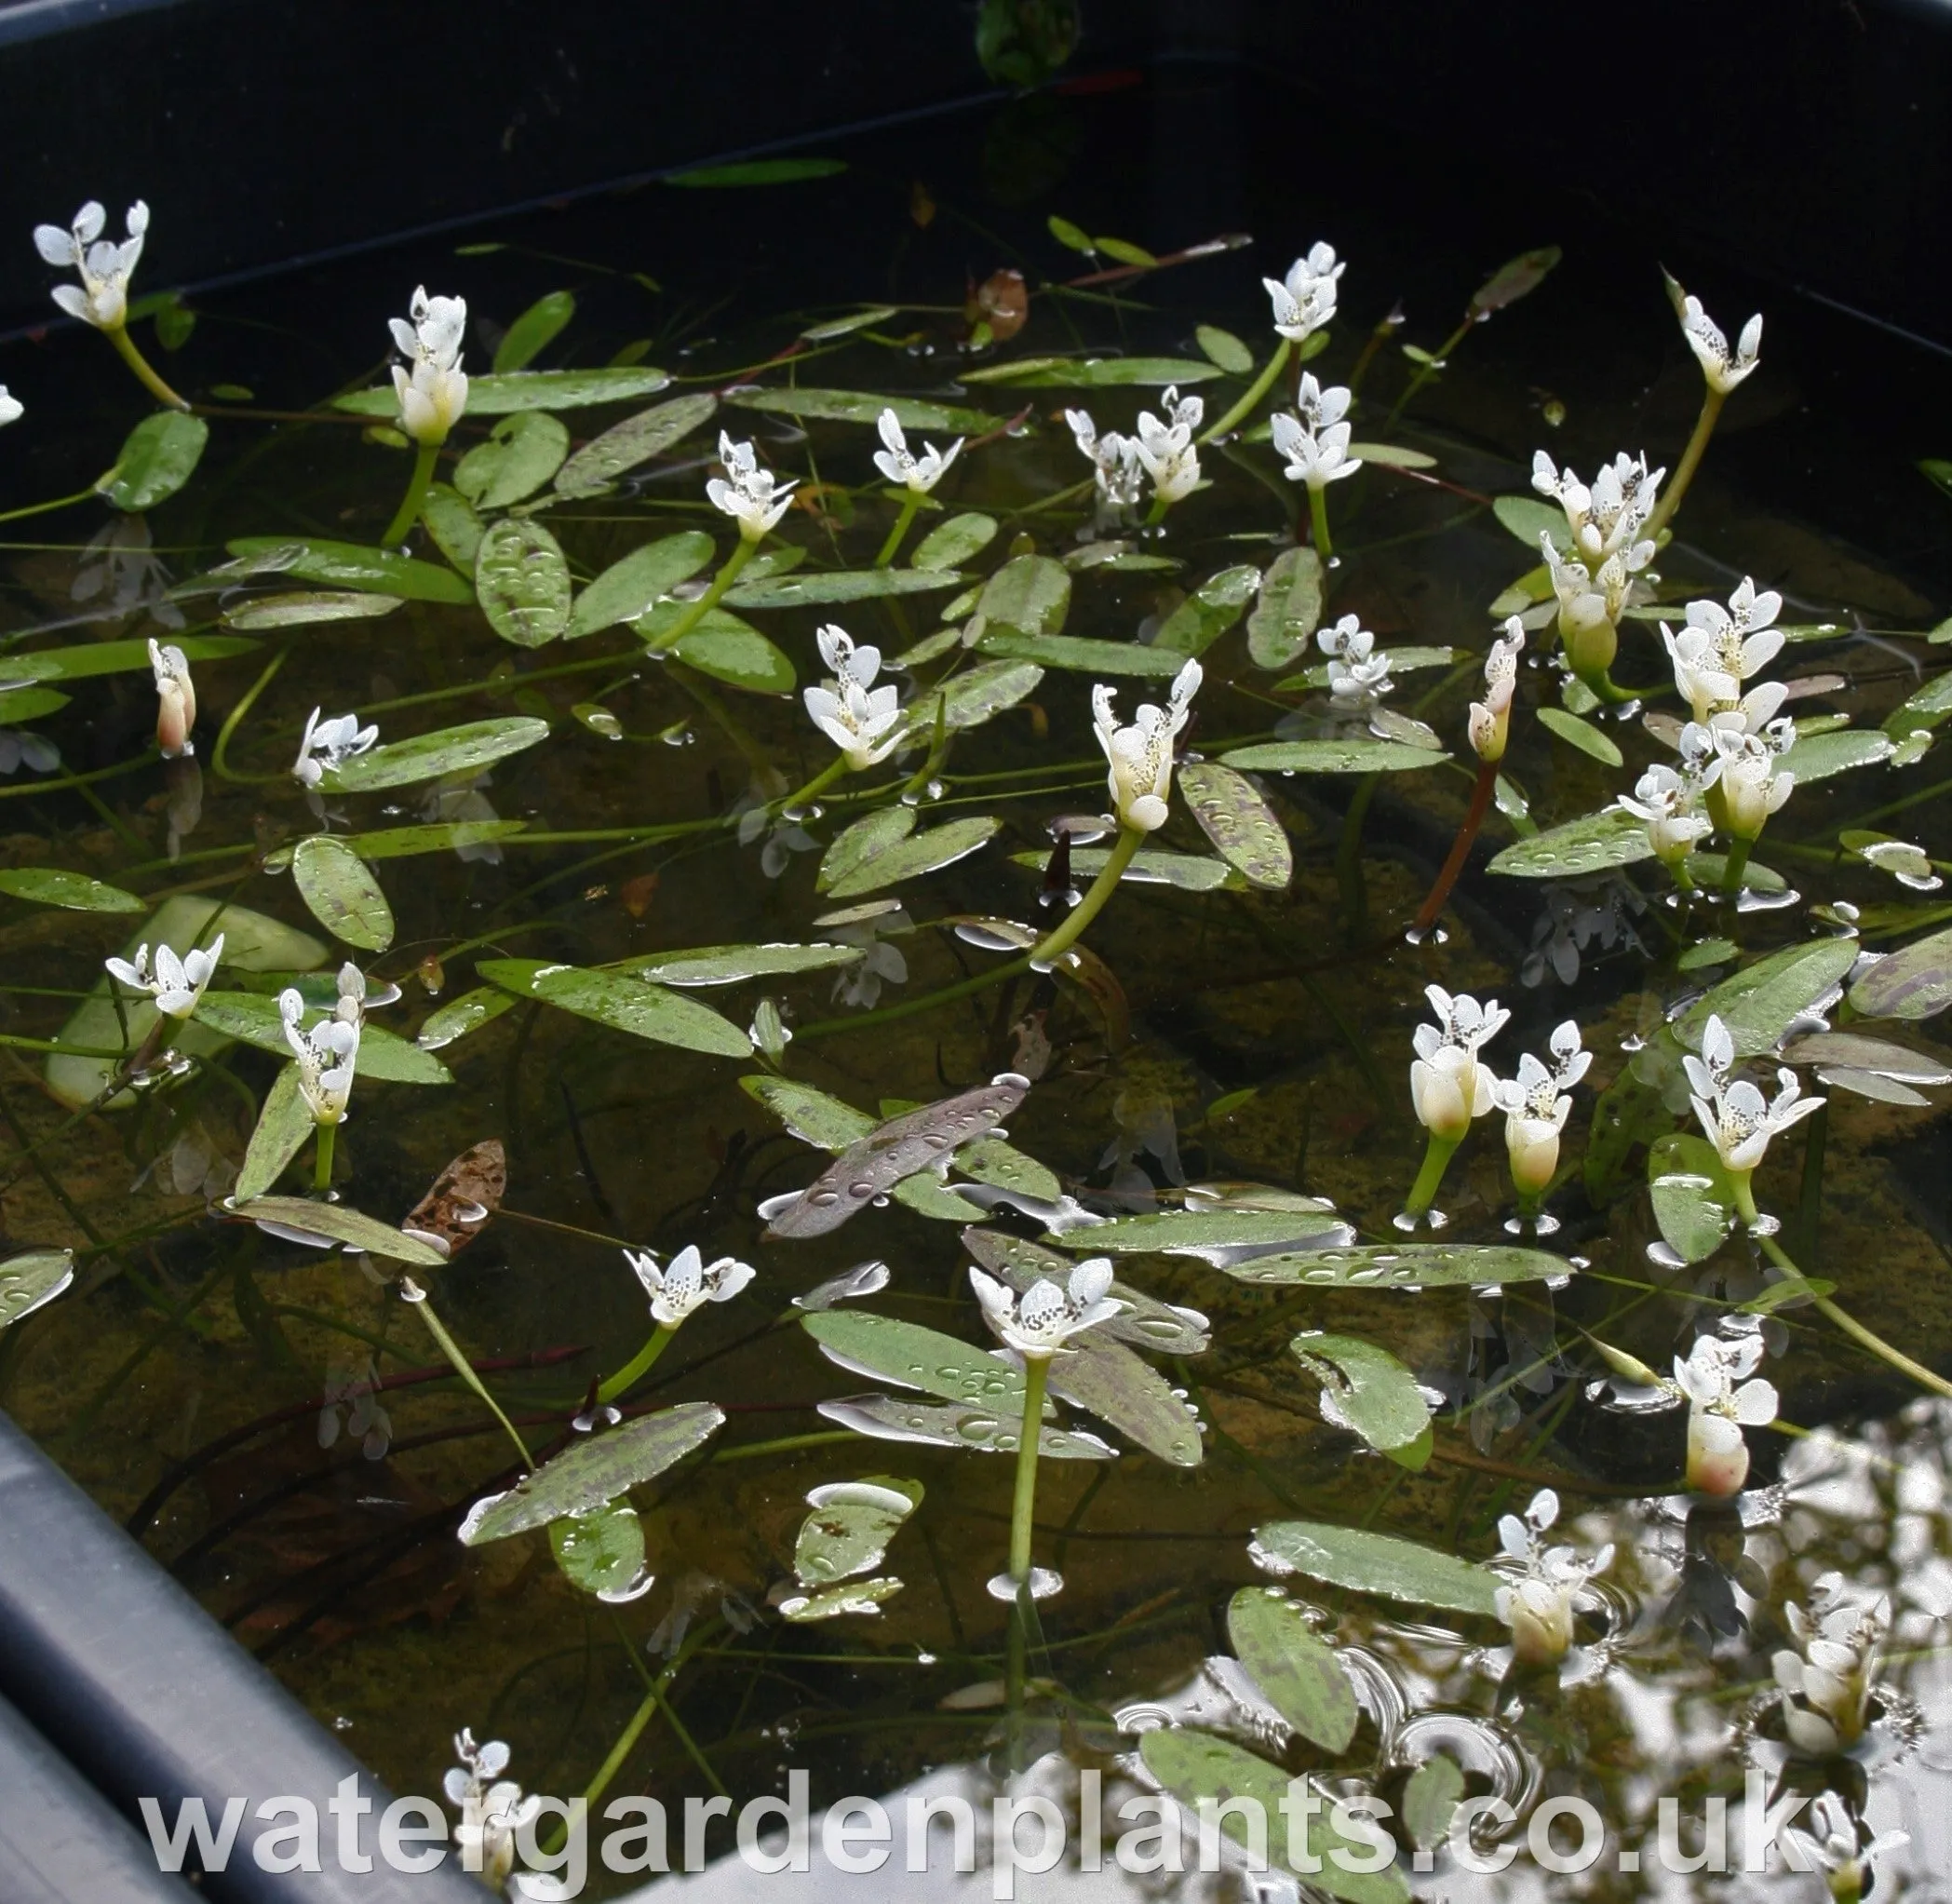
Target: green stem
1739 851
1023 1502
817 785
634 1370
94 490
322 1163
1683 879
909 503
219 754
1426 372
125 345
1862 1337
1809 1199
461 1366
695 611
1156 514
415 500
1437 1154
1049 949
1349 857
1606 687
909 1007
1712 401
1318 517
1255 392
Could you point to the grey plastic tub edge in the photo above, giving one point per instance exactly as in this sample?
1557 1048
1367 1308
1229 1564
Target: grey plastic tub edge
146 1696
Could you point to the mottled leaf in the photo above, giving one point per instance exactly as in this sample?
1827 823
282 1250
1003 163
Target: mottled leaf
1593 844
624 1004
337 1223
1239 822
341 893
523 582
638 439
351 565
1289 609
1295 1669
1404 1266
1367 1562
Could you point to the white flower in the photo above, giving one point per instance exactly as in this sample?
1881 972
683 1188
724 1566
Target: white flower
1536 1108
1141 755
687 1282
492 1808
1449 1085
326 1056
1305 300
1748 745
917 473
1115 460
1723 370
1826 1686
11 408
177 984
1738 1120
1316 439
866 726
1492 717
176 700
1665 801
755 498
1591 601
1720 648
1166 449
432 393
328 745
101 297
1038 1323
1834 1845
1358 669
1607 518
351 1007
1546 1581
1719 1410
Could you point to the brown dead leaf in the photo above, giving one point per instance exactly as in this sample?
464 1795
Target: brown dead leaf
637 894
1001 301
465 1195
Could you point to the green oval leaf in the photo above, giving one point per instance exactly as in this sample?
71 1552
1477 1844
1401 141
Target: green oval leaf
464 750
1759 1003
912 1356
280 1134
1592 844
1294 1666
1095 372
498 395
1404 1266
1084 655
1692 1198
302 608
865 407
521 454
830 327
977 1430
1107 1380
535 331
252 1017
459 1016
730 965
1430 1800
1209 612
949 544
83 659
1364 1389
1191 872
1516 279
728 650
850 1528
638 439
455 528
31 1278
624 1004
919 854
1913 983
823 587
1239 822
1367 1562
351 565
1289 610
74 892
523 582
1207 1232
340 1224
1528 518
1356 755
341 893
977 694
1225 350
1821 755
862 840
158 456
592 1473
1029 595
631 586
603 1552
1582 734
405 843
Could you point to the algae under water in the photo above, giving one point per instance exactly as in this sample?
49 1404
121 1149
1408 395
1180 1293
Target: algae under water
567 919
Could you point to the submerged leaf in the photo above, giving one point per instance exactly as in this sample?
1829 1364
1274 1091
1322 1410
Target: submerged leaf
623 1004
1239 822
1516 279
1293 1666
1367 1562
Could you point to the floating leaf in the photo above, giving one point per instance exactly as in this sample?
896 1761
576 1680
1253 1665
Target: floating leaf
1083 653
1295 1669
1364 1389
340 894
739 655
20 705
498 395
1239 822
1029 595
31 1278
452 524
406 842
918 854
1582 734
1356 755
1367 1562
1692 1197
83 659
862 405
301 608
758 171
1225 350
592 1473
158 456
1931 704
1592 844
624 1004
980 1429
350 565
631 586
1759 1003
1913 983
912 1356
1516 279
252 1017
603 1552
638 439
1209 612
1107 1380
1289 610
1149 866
861 841
1095 372
74 892
977 694
521 454
1391 457
846 1596
464 750
1404 660
1820 755
280 1134
850 1528
1148 1323
1430 1800
1209 1234
820 589
728 965
337 1223
950 544
459 1016
523 581
1404 1266
831 328
1530 517
535 331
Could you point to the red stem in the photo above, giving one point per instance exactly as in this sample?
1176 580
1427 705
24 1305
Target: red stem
1459 847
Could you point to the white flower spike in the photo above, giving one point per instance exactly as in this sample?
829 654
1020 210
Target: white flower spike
753 497
1449 1085
103 267
1141 756
1116 462
1536 1107
176 700
1038 1323
1721 648
326 1056
1304 301
1836 1846
1723 367
1719 1410
1665 801
687 1282
328 745
919 473
1546 1581
431 387
1166 448
1492 717
1748 746
493 1809
1358 669
1314 439
1825 1685
1738 1119
863 720
176 984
